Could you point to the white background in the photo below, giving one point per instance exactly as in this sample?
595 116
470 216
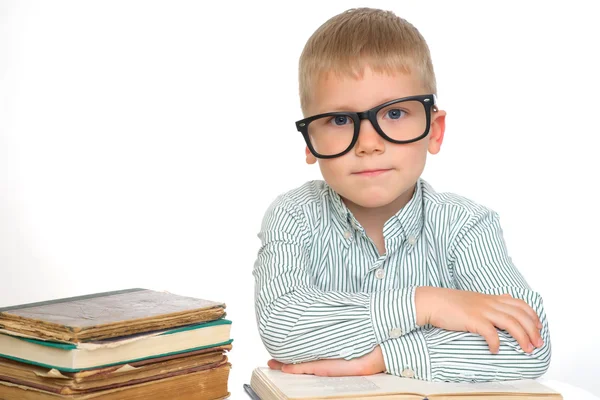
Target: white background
141 143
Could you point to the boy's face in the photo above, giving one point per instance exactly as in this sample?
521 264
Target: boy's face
375 173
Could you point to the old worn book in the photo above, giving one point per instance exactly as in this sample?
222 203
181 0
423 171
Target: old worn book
210 384
107 315
276 385
52 380
72 357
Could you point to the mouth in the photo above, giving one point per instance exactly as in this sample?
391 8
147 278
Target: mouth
372 172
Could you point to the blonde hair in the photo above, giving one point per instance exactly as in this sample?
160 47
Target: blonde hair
356 38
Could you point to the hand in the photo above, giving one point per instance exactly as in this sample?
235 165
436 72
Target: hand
368 364
478 313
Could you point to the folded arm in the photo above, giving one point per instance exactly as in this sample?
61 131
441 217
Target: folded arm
479 263
299 323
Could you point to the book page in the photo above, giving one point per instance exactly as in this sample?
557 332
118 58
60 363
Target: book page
20 334
313 386
528 386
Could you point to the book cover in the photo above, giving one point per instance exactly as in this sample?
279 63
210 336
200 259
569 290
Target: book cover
106 315
111 377
209 384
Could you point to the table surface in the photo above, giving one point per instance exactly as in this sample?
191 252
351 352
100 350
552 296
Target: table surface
569 392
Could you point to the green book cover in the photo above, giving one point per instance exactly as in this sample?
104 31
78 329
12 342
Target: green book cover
72 348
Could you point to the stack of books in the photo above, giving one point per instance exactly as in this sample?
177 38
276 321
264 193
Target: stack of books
125 345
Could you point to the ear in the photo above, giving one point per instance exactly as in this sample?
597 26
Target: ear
310 159
436 133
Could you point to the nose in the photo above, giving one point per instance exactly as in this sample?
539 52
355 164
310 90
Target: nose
369 141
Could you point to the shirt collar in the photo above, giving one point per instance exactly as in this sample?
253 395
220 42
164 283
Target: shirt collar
407 222
341 212
409 219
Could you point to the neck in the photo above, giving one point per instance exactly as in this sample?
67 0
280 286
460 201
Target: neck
375 218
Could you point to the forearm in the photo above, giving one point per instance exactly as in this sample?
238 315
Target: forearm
440 355
465 357
308 324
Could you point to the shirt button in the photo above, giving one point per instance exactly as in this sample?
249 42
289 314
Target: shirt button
347 234
408 373
395 333
412 240
380 273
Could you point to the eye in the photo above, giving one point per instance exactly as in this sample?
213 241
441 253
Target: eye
340 120
394 113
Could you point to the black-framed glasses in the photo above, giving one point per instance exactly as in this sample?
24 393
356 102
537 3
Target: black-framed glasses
400 121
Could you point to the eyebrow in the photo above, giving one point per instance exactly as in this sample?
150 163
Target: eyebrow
349 109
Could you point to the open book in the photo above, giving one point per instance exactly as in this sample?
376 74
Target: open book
276 385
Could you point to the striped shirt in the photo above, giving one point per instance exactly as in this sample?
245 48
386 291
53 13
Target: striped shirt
323 291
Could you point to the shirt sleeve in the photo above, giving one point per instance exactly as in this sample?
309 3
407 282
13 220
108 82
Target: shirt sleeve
297 321
479 262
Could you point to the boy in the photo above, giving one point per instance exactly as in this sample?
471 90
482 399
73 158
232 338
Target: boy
372 270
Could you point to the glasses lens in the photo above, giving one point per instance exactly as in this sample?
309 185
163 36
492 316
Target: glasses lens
405 120
331 135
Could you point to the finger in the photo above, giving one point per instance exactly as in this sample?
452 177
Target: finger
525 320
274 364
291 368
338 367
334 367
525 307
489 333
301 368
514 328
